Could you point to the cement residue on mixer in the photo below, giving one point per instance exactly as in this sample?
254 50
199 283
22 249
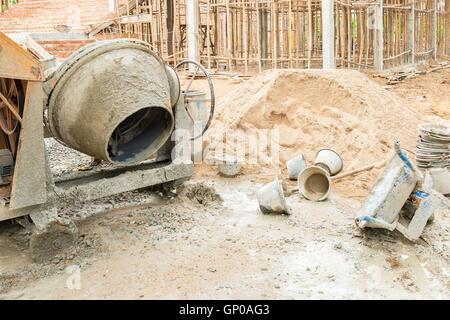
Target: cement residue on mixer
342 110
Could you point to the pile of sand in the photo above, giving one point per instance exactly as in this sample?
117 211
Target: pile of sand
339 109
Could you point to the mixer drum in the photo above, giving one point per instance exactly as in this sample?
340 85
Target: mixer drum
111 100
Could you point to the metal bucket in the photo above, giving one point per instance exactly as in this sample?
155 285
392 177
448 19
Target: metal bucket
271 197
295 166
314 183
331 159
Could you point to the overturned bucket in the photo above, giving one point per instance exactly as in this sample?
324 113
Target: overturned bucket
331 159
314 183
295 166
271 197
229 166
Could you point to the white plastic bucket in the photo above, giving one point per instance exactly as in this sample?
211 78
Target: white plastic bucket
229 166
331 159
295 166
271 197
441 180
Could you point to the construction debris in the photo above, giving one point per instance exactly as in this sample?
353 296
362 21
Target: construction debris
401 76
400 182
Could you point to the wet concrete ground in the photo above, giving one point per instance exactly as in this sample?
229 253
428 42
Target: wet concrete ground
180 249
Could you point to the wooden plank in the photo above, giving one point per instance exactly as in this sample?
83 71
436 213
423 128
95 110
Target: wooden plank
32 45
29 186
17 63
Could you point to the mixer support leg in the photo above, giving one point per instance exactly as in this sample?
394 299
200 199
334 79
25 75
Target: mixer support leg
52 234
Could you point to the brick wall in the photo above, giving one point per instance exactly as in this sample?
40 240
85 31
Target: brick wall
63 49
47 15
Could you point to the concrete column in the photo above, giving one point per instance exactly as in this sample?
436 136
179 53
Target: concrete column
378 45
328 34
411 35
169 24
434 44
112 5
263 31
192 32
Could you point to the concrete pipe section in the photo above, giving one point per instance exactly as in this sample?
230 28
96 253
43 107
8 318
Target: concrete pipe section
112 100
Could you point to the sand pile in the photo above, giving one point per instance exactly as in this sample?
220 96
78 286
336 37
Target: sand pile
339 109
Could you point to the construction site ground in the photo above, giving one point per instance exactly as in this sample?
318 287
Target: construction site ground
208 239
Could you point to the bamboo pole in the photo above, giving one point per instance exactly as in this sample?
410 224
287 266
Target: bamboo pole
310 34
290 34
229 36
274 38
208 40
246 36
258 34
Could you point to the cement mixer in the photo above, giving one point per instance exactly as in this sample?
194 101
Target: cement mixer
115 101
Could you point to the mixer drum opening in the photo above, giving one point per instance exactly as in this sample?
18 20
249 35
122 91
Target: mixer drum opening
143 131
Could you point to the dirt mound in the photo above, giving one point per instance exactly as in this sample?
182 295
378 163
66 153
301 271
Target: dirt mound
313 109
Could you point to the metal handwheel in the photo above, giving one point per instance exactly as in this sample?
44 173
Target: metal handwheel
211 100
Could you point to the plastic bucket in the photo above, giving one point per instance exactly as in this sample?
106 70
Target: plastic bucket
295 166
196 104
331 159
271 197
229 166
441 180
314 183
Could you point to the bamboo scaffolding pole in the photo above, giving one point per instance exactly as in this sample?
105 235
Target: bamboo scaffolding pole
258 33
229 35
310 33
208 40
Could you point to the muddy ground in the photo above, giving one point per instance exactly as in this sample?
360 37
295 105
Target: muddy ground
208 240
